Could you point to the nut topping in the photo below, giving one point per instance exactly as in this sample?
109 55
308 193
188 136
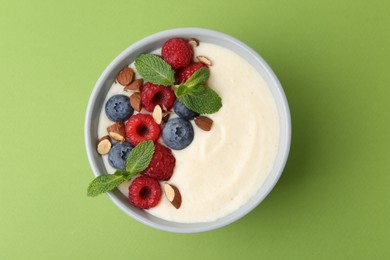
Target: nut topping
165 117
157 114
125 76
173 194
117 131
136 86
135 101
203 122
204 60
104 145
194 42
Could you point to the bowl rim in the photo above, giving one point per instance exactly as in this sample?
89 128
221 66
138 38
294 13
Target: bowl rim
283 110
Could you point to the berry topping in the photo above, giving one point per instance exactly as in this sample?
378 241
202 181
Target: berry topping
162 164
177 52
187 72
153 95
178 133
118 155
141 127
118 108
184 112
144 192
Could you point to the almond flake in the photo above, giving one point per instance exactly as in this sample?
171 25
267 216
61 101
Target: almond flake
203 122
117 131
135 101
173 194
165 117
204 60
104 145
194 42
157 114
125 76
136 86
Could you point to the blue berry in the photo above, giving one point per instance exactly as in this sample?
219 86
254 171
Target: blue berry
118 108
178 133
118 154
184 112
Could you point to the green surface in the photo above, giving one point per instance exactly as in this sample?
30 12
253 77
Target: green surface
332 58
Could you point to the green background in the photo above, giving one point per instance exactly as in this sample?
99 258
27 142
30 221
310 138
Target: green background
332 57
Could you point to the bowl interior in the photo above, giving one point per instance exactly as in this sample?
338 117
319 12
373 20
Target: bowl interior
147 45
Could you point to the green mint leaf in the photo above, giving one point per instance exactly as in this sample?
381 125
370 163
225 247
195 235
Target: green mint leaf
106 182
140 157
198 78
138 160
181 90
155 70
200 99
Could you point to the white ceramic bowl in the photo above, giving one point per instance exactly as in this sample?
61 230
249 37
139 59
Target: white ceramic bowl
155 41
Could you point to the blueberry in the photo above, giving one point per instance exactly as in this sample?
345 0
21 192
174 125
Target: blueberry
184 112
178 133
118 154
118 108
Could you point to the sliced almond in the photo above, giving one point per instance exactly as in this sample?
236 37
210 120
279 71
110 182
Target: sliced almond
165 117
203 122
194 42
125 76
117 131
135 101
136 86
164 108
157 114
173 194
204 60
104 145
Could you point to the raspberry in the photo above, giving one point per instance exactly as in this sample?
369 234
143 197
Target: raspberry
144 192
177 52
187 72
162 163
153 95
141 127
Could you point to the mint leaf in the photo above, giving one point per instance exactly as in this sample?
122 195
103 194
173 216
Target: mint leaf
197 97
140 157
106 182
198 78
138 160
181 90
200 99
155 70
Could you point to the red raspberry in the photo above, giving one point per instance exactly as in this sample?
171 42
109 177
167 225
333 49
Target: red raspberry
153 95
177 52
187 72
162 163
141 127
144 192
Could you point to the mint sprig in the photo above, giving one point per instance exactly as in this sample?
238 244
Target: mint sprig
196 96
201 99
138 160
155 70
193 93
140 157
106 182
198 78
